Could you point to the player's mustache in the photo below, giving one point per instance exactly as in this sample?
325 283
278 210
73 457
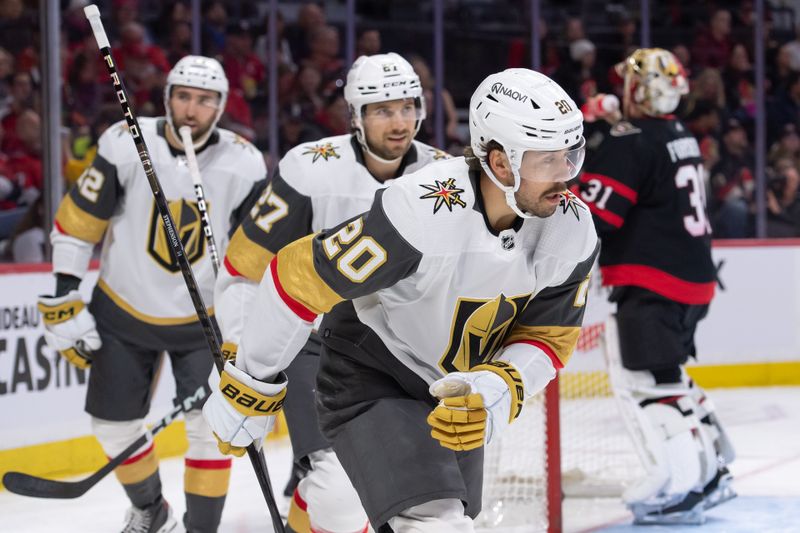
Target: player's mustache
561 187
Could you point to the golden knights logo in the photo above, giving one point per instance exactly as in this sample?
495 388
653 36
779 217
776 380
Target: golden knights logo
325 151
570 202
187 219
445 193
479 328
439 154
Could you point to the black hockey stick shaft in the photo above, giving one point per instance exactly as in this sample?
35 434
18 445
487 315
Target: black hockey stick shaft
202 206
256 458
37 487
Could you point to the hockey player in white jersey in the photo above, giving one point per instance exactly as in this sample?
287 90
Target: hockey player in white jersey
318 185
455 298
140 307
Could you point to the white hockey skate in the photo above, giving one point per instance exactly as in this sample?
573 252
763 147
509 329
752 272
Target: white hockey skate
156 518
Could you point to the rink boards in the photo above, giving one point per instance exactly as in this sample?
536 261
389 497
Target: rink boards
750 338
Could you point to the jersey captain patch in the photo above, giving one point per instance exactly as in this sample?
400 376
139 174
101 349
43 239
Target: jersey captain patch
445 193
569 202
324 151
187 219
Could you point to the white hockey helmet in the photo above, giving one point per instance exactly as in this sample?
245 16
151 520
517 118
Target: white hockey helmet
527 113
199 72
654 79
381 78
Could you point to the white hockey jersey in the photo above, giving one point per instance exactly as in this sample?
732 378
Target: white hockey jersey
317 185
113 201
426 272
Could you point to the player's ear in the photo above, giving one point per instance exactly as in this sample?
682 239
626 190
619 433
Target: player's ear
501 166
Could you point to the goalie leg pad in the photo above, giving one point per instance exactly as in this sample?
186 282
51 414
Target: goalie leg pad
332 503
437 516
678 457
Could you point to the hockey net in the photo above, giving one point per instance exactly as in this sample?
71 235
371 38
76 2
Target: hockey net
570 441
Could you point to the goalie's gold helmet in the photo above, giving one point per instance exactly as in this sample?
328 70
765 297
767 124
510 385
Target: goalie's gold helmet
654 79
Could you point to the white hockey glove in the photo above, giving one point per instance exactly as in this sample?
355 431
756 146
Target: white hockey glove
475 406
243 410
69 327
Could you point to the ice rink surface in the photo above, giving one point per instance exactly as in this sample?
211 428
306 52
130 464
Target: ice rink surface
764 424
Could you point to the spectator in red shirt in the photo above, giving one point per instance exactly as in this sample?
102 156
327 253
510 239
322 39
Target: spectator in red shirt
23 167
133 48
243 68
713 45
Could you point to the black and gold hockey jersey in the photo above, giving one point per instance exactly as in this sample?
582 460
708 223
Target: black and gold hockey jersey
645 187
112 201
425 271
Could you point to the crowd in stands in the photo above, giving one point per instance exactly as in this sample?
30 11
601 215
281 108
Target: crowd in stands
715 43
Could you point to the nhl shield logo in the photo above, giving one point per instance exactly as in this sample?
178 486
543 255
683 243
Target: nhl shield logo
189 227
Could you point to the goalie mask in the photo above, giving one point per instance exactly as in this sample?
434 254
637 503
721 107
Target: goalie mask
535 121
654 80
381 78
198 72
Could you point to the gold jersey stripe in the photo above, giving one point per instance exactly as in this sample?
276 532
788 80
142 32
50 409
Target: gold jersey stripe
155 320
145 467
79 223
247 257
300 279
212 483
562 339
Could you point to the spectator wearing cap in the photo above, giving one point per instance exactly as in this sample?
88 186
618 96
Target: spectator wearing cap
712 46
242 67
580 76
732 183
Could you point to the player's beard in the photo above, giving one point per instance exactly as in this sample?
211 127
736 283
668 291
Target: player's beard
202 129
536 203
385 151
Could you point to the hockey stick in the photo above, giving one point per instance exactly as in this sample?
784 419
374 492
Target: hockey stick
38 487
194 172
256 457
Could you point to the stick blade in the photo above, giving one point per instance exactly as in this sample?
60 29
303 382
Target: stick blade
37 487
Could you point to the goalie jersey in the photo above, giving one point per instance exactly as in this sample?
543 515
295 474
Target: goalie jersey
442 290
112 201
317 185
645 187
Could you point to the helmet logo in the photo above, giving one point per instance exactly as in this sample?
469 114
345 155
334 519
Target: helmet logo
498 88
389 67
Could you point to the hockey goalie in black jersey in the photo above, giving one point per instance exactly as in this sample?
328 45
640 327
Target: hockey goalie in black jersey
645 188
